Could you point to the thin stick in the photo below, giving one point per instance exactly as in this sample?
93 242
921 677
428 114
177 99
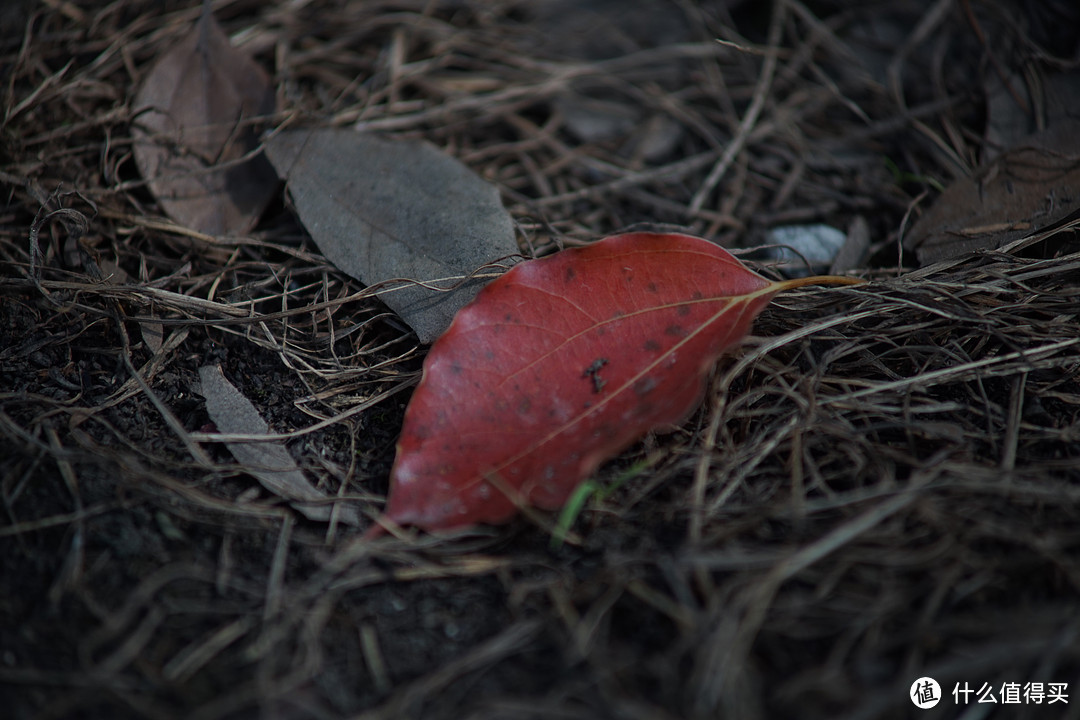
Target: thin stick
761 93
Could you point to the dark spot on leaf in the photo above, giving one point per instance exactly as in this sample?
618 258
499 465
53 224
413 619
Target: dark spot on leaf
593 371
652 345
675 331
696 295
594 367
683 310
569 275
489 354
456 368
644 386
524 406
509 317
651 287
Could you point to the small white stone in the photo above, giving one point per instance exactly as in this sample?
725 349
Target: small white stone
796 245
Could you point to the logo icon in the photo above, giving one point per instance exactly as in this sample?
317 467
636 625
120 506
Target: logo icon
925 693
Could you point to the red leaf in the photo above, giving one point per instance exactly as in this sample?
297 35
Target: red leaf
560 364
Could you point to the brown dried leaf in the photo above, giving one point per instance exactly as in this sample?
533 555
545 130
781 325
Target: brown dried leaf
382 209
268 462
192 126
1028 188
1049 99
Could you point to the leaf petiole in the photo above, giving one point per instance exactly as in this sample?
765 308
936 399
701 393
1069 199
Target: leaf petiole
816 280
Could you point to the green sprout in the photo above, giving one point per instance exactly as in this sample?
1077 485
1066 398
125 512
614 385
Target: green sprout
575 504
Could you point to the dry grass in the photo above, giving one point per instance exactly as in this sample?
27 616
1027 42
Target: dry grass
880 485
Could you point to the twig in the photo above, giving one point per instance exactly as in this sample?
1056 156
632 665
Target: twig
761 94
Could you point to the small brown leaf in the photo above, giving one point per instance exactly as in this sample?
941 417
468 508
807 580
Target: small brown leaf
192 126
1024 190
269 462
382 209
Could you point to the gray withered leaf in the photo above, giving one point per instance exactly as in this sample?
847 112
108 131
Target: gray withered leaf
269 462
192 127
383 210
